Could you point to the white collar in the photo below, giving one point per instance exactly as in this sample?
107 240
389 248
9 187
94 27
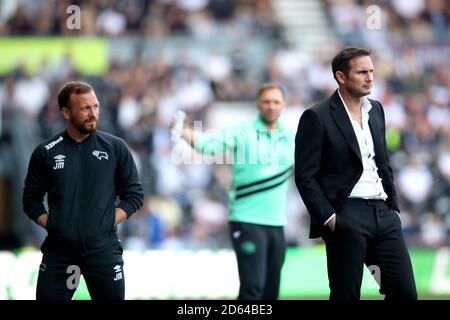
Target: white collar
366 105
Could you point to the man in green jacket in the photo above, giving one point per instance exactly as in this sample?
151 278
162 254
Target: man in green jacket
262 154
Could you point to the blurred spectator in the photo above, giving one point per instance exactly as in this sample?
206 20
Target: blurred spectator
415 183
209 211
111 22
412 228
6 104
20 22
434 232
30 95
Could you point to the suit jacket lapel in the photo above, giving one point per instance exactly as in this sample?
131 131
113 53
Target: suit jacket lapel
342 120
375 131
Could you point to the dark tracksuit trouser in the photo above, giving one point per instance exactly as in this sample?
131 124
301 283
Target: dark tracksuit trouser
59 274
260 252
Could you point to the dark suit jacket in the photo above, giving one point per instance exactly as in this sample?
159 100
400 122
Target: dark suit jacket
328 161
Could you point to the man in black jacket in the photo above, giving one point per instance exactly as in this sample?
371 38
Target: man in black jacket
82 171
343 175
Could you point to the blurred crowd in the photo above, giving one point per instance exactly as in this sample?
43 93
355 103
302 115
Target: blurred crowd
149 18
186 205
399 22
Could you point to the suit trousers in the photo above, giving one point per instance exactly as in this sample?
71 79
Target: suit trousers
368 232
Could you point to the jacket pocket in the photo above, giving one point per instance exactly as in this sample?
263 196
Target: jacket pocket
339 224
336 223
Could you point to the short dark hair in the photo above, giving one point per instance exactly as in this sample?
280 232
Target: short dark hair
341 61
268 86
76 87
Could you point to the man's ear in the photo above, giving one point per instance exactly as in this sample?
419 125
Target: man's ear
340 76
66 113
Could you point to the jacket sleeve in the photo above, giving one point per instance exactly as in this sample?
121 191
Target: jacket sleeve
35 186
308 157
392 195
129 187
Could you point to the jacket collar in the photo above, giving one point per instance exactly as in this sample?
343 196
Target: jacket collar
69 138
342 119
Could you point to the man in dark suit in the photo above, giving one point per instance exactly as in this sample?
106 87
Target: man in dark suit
343 175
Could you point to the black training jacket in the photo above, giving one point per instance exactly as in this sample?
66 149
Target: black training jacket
82 181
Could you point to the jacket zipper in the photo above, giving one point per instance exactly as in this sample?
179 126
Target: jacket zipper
80 201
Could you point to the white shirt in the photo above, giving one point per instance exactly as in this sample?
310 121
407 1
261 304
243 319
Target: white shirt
369 185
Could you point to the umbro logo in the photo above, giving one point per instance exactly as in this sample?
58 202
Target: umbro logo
100 154
59 162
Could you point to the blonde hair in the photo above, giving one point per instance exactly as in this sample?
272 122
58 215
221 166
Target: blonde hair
268 86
